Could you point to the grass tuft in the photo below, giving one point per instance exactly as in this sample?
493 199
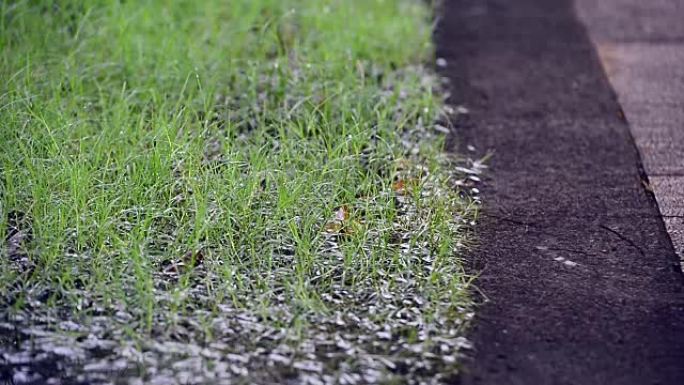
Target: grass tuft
259 179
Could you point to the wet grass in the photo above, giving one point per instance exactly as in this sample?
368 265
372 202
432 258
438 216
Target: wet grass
167 168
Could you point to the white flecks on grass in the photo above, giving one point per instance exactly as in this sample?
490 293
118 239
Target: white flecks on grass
252 191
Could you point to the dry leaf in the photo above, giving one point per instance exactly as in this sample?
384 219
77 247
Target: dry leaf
621 114
333 227
342 214
399 185
336 224
647 186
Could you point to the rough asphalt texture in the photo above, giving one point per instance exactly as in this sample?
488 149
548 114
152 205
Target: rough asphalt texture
641 46
583 282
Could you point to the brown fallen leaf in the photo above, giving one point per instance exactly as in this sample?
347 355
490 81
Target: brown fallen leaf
333 227
647 186
342 213
621 114
402 186
399 185
337 223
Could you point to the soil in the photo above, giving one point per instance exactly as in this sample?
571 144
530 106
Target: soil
582 284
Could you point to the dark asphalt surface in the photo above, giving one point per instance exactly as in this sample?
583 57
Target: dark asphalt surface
584 286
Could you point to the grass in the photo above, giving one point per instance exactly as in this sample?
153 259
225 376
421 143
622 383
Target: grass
165 164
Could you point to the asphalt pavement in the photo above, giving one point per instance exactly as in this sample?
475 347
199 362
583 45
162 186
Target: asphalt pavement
582 282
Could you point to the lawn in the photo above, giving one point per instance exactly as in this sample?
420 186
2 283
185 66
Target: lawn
251 191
